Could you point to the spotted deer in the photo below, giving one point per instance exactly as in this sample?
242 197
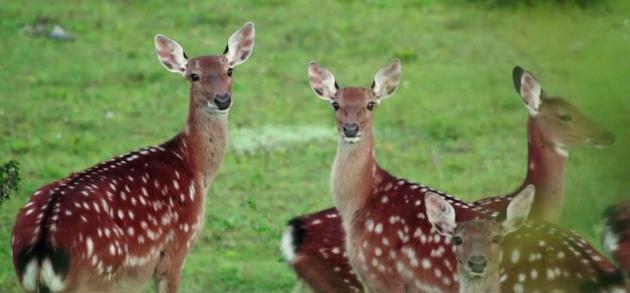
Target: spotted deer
556 127
616 238
553 127
477 242
112 227
389 241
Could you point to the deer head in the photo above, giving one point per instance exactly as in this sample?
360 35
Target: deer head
354 106
210 76
562 125
477 242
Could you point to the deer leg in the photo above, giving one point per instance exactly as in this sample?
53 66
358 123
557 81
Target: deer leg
168 271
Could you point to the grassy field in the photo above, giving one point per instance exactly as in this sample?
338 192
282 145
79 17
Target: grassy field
456 123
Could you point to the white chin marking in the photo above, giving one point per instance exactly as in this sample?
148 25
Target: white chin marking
562 151
351 139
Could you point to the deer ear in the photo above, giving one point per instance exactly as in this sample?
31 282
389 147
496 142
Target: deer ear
528 87
386 80
440 213
240 45
170 54
322 81
518 209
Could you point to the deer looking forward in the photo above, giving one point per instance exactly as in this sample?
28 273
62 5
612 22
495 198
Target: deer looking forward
390 243
112 227
477 242
554 126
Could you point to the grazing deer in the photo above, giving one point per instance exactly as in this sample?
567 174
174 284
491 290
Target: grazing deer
616 238
390 243
113 226
477 242
556 127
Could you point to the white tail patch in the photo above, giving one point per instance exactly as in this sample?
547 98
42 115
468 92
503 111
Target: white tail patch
29 279
286 245
51 280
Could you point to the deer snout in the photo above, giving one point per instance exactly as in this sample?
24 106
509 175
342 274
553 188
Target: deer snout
350 129
477 263
223 101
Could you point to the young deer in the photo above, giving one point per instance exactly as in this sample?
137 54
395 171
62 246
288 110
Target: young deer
477 242
113 226
616 238
389 241
557 125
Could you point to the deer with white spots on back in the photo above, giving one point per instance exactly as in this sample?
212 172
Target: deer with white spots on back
390 243
553 127
477 242
115 225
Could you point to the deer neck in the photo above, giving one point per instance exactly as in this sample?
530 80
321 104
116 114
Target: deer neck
353 175
545 170
203 142
486 284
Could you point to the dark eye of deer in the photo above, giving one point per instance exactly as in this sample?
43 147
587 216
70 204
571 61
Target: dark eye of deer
229 72
335 105
457 240
565 117
496 239
370 106
194 77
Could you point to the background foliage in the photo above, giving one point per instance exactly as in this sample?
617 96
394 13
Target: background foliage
456 123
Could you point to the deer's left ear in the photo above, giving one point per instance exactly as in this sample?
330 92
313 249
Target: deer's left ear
518 209
386 80
440 213
240 45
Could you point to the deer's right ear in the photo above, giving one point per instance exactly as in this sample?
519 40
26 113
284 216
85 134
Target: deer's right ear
518 209
171 54
528 87
322 81
440 213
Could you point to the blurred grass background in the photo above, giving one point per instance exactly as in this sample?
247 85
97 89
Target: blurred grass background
456 122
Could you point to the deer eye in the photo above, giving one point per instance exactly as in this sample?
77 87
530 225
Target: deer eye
565 117
457 240
497 239
194 77
229 72
335 105
370 106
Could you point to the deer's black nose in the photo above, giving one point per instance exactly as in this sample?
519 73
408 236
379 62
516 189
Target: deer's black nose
350 129
477 263
223 101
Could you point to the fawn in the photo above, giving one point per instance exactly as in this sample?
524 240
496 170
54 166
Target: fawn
390 243
477 242
553 127
113 226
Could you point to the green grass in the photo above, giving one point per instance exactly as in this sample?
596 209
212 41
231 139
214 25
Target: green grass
456 123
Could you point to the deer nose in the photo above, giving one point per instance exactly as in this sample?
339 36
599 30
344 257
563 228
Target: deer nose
350 129
223 101
477 263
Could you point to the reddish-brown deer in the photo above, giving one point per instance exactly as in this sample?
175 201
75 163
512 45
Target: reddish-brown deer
556 125
389 241
115 225
616 238
477 242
